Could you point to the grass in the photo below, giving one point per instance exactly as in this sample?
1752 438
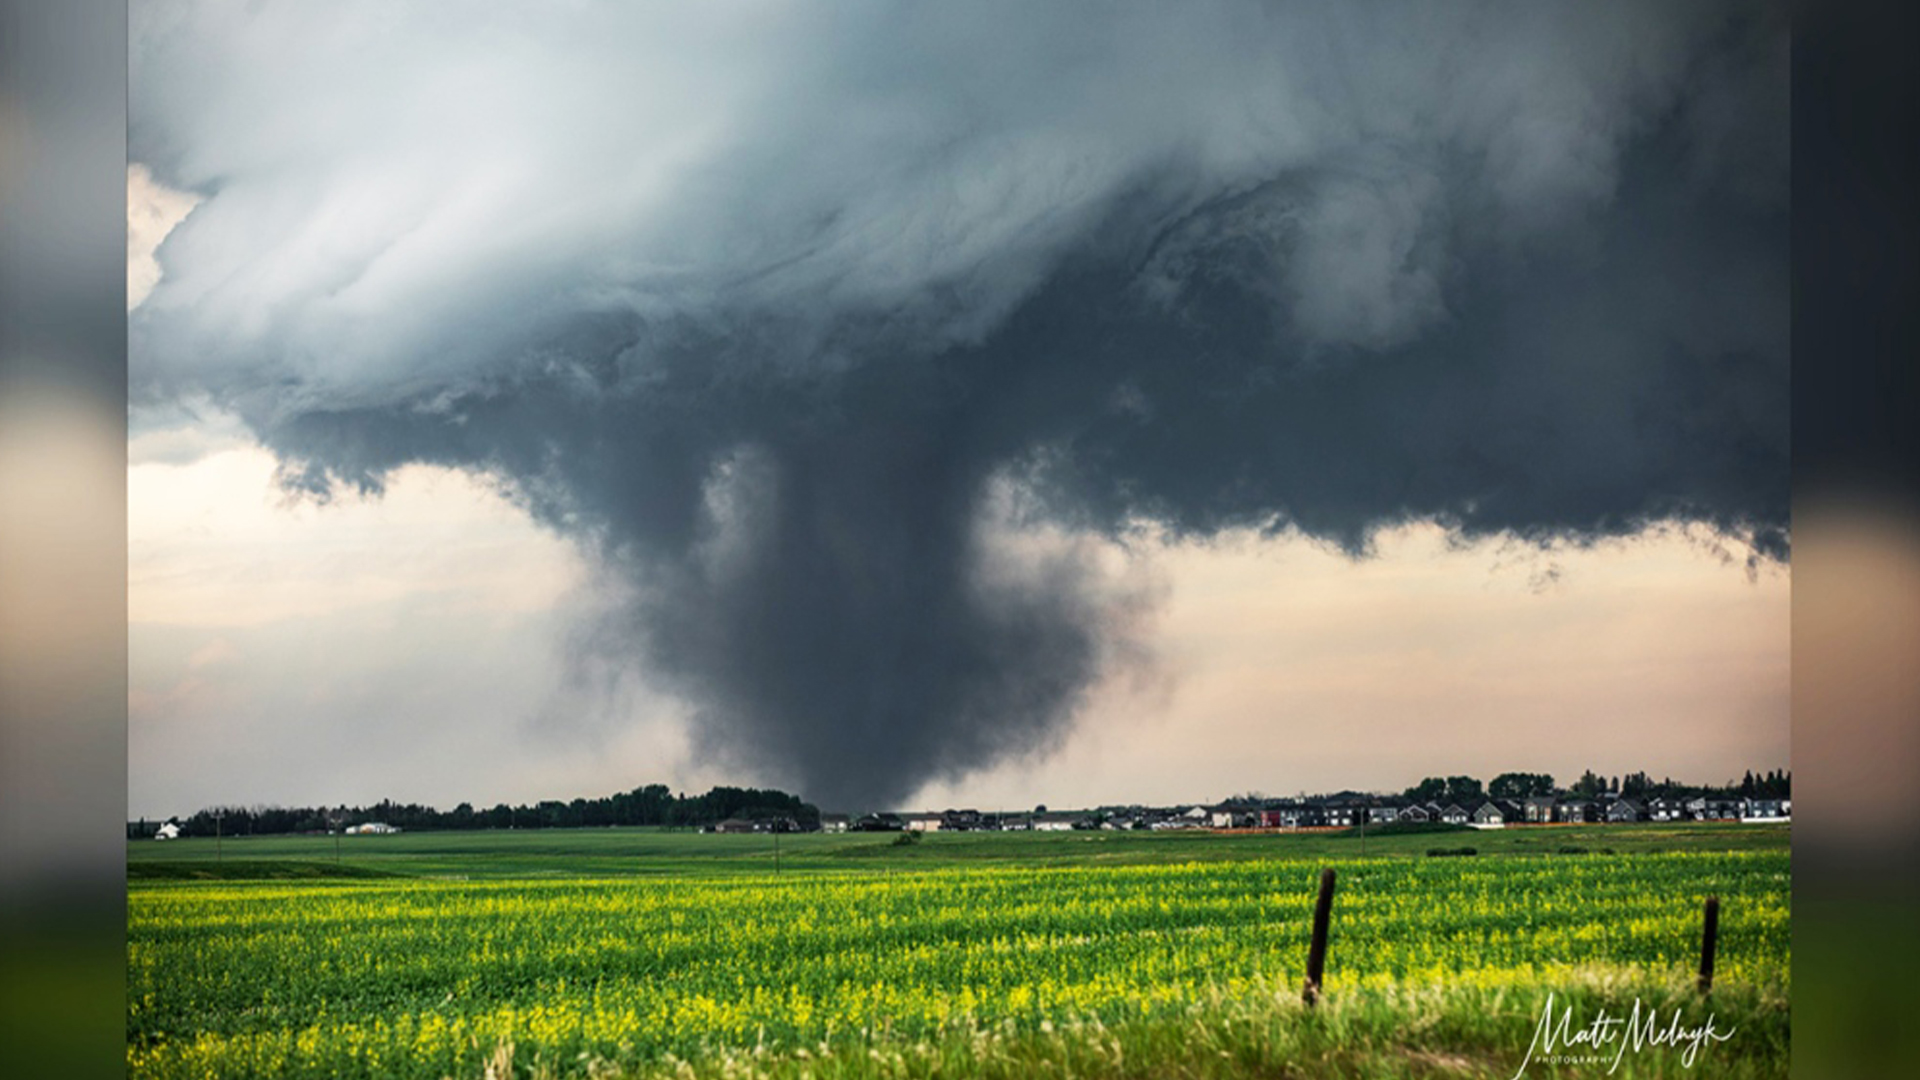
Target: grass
619 852
1411 1021
1394 1033
248 870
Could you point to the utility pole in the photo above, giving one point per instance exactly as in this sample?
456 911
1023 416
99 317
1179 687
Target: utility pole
217 815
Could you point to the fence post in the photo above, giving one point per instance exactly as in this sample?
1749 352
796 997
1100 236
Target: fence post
1709 937
1317 950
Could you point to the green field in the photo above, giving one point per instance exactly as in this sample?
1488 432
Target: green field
634 952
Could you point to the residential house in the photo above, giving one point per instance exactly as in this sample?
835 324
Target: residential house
1626 810
1494 813
1537 810
1302 815
1575 811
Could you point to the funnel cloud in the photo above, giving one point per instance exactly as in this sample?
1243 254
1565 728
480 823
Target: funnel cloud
798 320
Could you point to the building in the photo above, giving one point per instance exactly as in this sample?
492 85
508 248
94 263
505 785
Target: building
169 831
1575 811
1626 810
1495 813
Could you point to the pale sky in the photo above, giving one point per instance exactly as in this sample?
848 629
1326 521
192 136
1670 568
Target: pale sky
1155 408
411 647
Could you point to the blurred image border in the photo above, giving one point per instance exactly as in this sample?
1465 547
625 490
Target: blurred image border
62 541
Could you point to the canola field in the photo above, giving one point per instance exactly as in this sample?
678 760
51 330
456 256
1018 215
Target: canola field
612 976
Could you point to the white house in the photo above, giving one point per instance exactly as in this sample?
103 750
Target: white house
169 831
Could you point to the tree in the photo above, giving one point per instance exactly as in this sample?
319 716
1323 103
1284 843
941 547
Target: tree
1518 785
1428 790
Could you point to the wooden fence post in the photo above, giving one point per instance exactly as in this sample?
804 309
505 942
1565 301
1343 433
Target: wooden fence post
1317 950
1709 937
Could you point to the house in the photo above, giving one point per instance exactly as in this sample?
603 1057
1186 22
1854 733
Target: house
1575 811
1667 810
1764 810
169 831
1302 816
1383 813
371 828
1626 810
834 822
1453 814
1416 812
1495 813
1723 810
1055 821
1538 810
878 823
925 822
736 825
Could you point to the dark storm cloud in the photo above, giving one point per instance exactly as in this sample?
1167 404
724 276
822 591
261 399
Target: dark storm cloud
772 308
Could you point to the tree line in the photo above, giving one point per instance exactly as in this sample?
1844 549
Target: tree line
652 804
1465 790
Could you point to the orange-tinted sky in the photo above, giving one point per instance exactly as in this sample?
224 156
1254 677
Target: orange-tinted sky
412 647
